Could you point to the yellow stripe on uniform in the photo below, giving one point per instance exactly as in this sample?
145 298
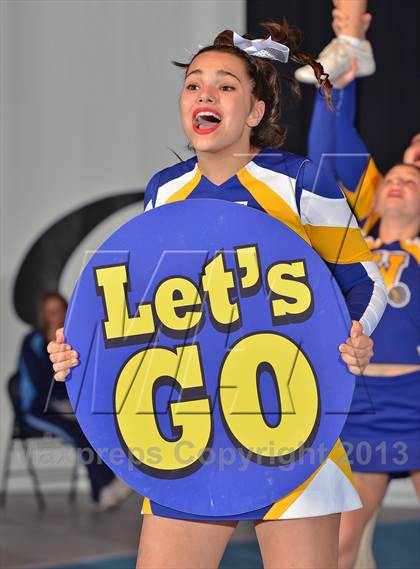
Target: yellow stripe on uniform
273 204
185 191
372 242
361 200
146 508
279 507
412 247
340 245
339 456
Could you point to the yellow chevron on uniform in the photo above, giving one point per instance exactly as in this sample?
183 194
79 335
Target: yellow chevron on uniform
362 199
186 189
330 488
334 234
332 229
412 246
177 188
339 245
273 203
146 507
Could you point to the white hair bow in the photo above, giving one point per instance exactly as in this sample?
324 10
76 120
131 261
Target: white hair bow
262 48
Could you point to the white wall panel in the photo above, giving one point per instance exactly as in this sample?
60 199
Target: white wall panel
88 109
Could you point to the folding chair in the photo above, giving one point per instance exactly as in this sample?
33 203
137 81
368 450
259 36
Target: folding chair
21 433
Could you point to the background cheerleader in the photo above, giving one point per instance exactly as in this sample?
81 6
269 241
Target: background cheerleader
382 432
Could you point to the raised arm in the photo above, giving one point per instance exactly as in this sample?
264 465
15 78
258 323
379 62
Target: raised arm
335 235
335 144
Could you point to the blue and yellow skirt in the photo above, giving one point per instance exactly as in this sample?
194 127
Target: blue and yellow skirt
329 490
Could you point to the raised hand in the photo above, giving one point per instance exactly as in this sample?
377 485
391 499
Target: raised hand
62 356
357 350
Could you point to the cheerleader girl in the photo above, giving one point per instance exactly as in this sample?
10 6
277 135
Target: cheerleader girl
382 432
230 107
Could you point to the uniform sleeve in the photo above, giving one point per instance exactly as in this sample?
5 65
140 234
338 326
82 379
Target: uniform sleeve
335 144
32 380
150 193
321 139
335 235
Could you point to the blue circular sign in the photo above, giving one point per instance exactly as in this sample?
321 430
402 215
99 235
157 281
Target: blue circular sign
210 378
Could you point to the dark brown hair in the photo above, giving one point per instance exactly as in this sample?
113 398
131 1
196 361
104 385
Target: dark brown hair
43 298
267 81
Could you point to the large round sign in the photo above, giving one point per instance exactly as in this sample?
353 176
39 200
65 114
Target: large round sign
210 378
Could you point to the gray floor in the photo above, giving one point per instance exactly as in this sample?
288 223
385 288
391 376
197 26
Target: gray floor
67 533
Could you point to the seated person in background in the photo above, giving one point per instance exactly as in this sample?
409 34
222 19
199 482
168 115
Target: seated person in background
382 432
44 404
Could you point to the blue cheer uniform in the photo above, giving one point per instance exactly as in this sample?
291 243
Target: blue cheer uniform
382 432
307 200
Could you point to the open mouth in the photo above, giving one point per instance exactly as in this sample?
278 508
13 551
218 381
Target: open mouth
206 121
